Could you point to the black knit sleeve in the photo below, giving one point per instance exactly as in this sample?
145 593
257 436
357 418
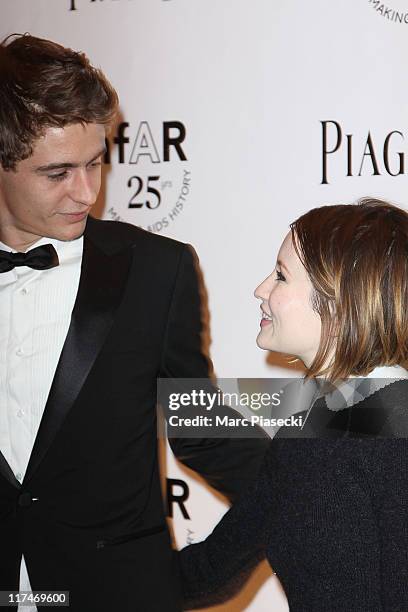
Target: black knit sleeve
214 570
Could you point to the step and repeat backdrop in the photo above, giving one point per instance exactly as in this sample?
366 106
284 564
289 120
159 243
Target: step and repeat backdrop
236 117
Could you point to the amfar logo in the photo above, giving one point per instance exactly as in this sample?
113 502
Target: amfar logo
389 13
377 156
159 183
177 493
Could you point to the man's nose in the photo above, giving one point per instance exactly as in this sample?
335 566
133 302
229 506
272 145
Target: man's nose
83 189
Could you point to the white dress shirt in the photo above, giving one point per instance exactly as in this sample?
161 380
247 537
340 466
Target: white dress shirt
35 313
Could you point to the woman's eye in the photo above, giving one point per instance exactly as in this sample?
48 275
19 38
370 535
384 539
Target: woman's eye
279 276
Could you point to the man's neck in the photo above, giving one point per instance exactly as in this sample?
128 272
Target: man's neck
19 243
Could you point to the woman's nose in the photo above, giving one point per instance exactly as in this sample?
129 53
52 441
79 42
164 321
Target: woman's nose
263 290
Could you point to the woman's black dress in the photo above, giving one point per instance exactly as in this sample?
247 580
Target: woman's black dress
329 513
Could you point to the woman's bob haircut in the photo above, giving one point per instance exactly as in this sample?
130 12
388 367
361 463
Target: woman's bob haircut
356 256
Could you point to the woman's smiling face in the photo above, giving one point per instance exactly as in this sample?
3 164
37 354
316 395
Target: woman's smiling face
289 324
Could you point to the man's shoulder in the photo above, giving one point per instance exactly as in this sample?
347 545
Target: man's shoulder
119 234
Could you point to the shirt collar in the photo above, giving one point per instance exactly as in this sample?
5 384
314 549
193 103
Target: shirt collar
353 390
65 249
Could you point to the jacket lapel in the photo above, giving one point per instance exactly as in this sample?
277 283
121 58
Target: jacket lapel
7 472
102 282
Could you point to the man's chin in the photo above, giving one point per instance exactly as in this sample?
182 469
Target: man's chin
73 232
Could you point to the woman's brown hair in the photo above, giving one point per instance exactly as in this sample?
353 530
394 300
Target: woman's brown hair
42 85
356 256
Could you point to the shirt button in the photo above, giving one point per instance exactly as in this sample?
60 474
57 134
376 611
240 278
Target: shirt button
19 476
24 291
19 352
20 414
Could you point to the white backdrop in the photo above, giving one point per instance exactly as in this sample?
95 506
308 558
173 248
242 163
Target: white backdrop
243 93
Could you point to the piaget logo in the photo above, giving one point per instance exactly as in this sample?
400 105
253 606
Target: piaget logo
364 154
388 12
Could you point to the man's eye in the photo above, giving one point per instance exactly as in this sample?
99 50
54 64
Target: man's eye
58 177
279 276
94 164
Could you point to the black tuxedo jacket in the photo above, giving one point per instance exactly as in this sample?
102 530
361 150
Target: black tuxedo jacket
89 516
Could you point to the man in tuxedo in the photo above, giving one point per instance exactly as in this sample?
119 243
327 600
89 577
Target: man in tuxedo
91 313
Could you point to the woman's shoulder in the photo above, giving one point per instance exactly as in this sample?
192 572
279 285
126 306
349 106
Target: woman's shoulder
383 414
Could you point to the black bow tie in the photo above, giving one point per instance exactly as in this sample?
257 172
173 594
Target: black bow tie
40 258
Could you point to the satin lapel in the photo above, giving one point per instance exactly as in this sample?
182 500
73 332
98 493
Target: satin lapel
7 472
102 283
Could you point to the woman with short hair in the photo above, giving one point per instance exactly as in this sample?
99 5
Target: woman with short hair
330 506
